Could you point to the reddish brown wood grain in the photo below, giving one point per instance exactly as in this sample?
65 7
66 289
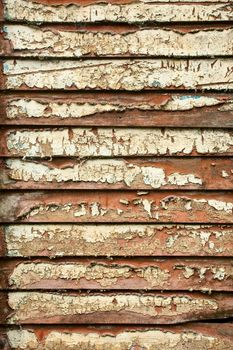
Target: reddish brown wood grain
103 206
124 274
121 109
104 308
138 173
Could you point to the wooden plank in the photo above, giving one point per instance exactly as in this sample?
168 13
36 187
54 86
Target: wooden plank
115 240
107 74
118 308
120 206
116 11
121 109
151 173
110 41
117 142
123 274
201 336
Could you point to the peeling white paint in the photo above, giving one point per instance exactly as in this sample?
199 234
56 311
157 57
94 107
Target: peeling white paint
137 11
30 41
30 108
106 142
25 240
28 305
145 339
131 75
108 171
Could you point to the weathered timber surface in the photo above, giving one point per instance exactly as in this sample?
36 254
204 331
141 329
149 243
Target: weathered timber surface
106 74
163 274
154 308
75 11
151 173
57 41
115 240
115 142
121 109
200 336
120 206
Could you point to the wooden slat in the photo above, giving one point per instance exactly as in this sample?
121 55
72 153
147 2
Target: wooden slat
169 173
115 240
123 308
121 109
132 75
117 142
166 274
120 206
202 336
58 41
116 11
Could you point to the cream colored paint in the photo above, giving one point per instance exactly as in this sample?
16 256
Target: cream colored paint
138 11
30 41
106 142
23 240
132 75
27 305
104 275
147 339
30 108
99 171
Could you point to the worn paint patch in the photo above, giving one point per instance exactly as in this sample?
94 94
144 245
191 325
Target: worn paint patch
106 142
99 171
35 305
117 240
28 41
131 75
31 108
147 339
137 11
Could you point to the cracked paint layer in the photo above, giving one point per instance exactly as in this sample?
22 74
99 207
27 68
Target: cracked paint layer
30 307
121 274
100 171
135 11
146 339
118 240
26 41
33 108
107 142
131 75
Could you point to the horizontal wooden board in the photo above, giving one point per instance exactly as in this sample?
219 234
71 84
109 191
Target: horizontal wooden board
121 109
164 274
119 308
120 206
115 240
114 142
151 173
116 11
58 41
107 74
201 336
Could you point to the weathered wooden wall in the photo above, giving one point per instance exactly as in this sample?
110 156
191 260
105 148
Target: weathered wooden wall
116 174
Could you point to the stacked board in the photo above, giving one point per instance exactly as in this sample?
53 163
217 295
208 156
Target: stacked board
116 177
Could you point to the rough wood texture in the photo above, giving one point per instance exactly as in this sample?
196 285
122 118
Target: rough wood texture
196 173
117 142
120 206
199 336
163 274
131 75
121 109
57 41
116 240
116 11
105 308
